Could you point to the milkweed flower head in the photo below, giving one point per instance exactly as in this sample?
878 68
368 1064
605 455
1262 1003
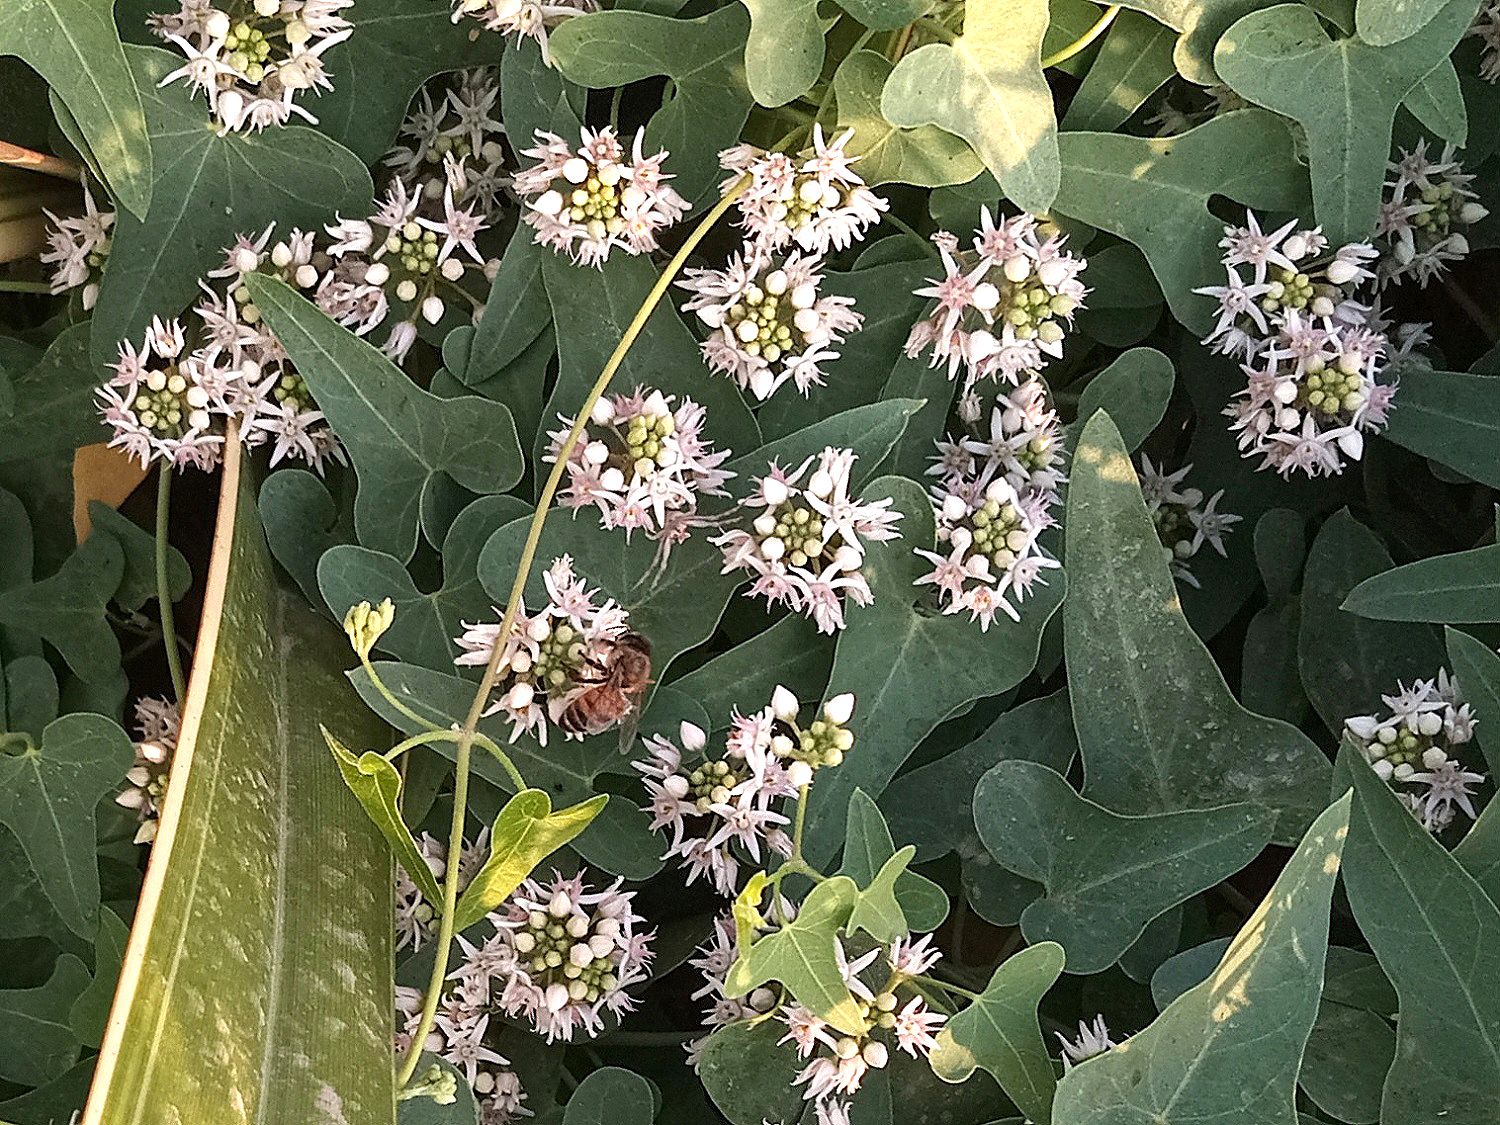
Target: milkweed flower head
1092 1040
814 198
566 954
252 60
725 810
159 724
1184 521
522 18
161 402
1486 28
453 136
77 248
551 656
987 551
593 199
1414 747
1425 209
643 463
769 321
1002 307
1023 446
1311 352
806 546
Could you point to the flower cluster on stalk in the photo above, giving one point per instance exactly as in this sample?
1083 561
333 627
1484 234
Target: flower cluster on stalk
1486 28
806 547
1414 747
1427 205
162 401
252 59
551 655
643 463
590 200
1184 520
1312 353
159 723
1002 308
725 811
453 137
523 18
77 246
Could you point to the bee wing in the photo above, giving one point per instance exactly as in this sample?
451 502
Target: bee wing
629 725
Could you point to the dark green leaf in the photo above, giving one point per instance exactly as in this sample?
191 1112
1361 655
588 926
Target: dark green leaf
1477 668
301 524
868 848
55 409
90 1011
67 610
1134 389
611 1096
1452 417
1462 588
748 1076
138 585
37 1043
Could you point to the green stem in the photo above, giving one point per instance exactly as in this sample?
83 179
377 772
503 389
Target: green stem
935 29
426 738
465 741
396 704
164 584
1084 41
934 982
25 287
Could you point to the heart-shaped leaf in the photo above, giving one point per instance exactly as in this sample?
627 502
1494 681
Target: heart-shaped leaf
377 785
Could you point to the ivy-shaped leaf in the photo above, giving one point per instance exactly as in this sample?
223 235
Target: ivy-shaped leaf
886 15
704 58
1134 62
47 797
1105 876
377 783
1229 1049
209 189
876 910
909 667
987 87
526 832
138 583
67 610
426 623
37 1043
925 155
791 652
1343 92
55 409
801 955
1383 22
784 50
1000 1034
302 523
398 435
869 851
515 314
1154 192
1125 637
1437 936
1199 24
73 44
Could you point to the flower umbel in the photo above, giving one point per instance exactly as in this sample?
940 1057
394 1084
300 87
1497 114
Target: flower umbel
1426 206
1184 522
159 723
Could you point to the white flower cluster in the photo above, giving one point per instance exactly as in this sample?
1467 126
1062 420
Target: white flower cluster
528 18
159 723
713 959
1003 307
1093 1040
551 656
1486 29
252 60
806 548
1426 204
589 201
1024 447
769 322
813 198
162 401
416 919
1413 747
1184 522
721 810
1312 354
77 246
643 463
451 136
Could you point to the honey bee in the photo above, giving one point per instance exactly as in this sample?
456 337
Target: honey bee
615 690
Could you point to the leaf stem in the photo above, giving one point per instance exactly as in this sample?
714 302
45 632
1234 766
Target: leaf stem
164 583
934 982
935 29
1084 41
25 287
465 741
19 157
396 704
426 738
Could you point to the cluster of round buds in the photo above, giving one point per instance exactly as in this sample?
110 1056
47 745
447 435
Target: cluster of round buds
161 404
894 1014
452 134
1413 747
823 742
769 322
1024 447
591 200
551 657
253 59
806 547
1184 522
567 954
813 198
1003 307
1486 29
720 810
523 18
643 463
145 791
77 246
1427 203
987 551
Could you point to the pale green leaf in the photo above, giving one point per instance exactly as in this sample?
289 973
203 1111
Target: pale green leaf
988 88
784 51
1135 389
1134 62
869 850
1200 24
886 15
1462 589
1438 103
377 785
1383 22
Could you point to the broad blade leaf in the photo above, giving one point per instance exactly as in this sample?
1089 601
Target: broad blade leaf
1452 417
1462 588
377 785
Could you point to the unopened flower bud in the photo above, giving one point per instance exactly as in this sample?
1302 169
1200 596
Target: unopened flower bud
364 625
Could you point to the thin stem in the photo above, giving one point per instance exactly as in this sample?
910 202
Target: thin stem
25 287
427 738
935 29
465 741
800 823
164 584
1482 320
946 986
1084 41
18 157
396 704
900 39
